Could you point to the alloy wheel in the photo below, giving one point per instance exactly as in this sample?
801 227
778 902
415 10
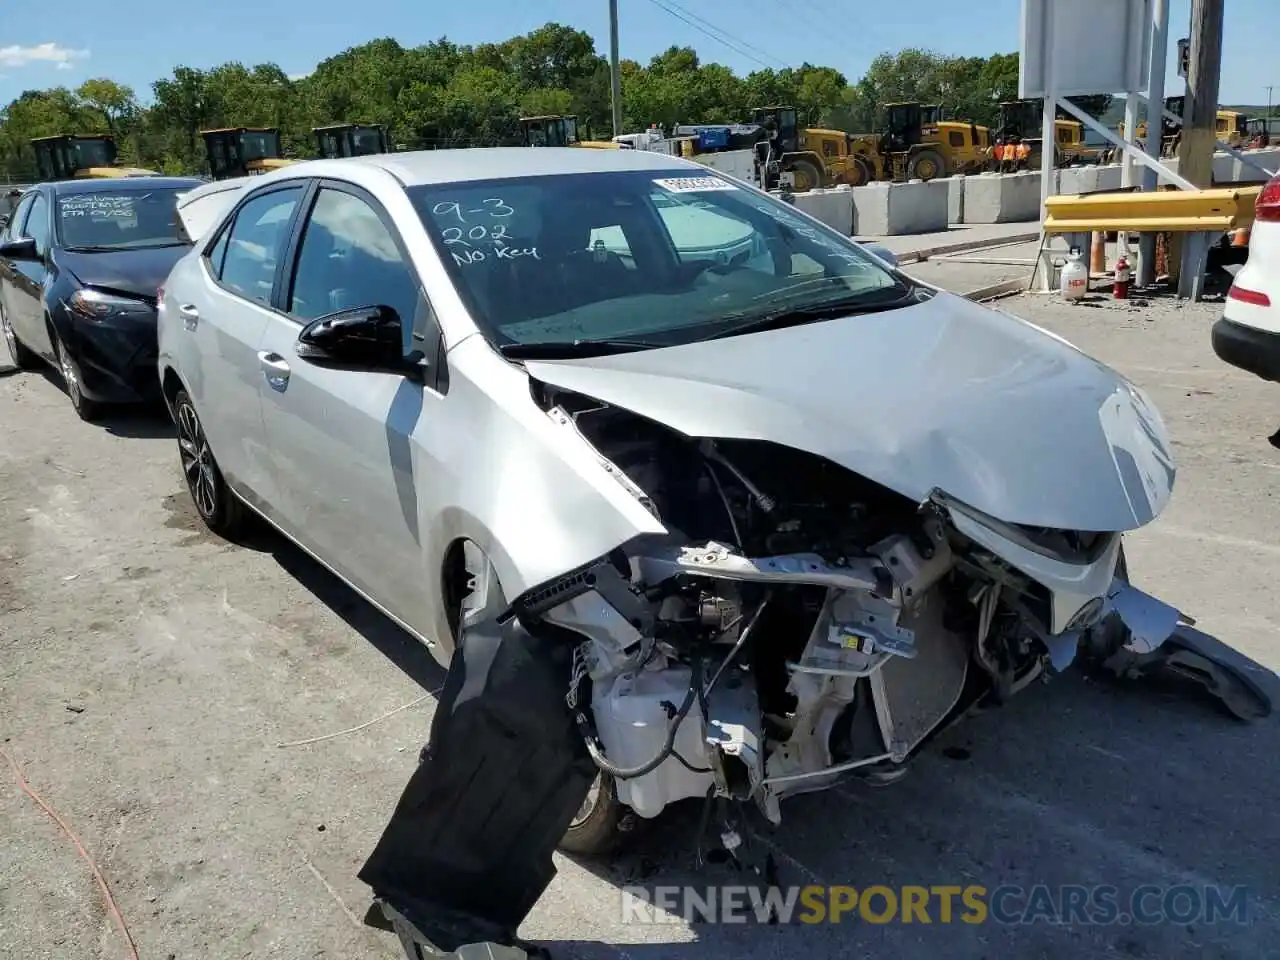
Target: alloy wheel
10 338
69 376
588 803
197 462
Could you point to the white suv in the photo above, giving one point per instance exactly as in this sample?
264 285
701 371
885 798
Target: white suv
1248 334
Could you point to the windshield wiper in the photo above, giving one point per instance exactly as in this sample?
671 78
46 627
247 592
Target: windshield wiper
126 245
813 312
568 349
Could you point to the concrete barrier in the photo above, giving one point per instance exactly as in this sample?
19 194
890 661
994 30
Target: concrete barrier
1002 197
833 207
894 209
955 198
1075 180
1269 157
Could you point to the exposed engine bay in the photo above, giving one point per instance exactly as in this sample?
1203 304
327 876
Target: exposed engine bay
798 624
795 625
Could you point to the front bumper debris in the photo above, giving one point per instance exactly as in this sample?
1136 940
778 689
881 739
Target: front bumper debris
468 850
1150 621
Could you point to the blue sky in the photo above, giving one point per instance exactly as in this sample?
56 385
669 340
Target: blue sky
142 40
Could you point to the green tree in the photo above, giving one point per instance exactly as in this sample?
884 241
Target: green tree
447 94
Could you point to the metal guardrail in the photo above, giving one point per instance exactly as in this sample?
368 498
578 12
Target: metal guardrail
1179 211
1199 215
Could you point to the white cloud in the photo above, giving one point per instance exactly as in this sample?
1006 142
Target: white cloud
61 57
300 76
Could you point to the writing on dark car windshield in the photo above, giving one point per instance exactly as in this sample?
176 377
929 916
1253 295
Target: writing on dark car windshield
637 259
119 220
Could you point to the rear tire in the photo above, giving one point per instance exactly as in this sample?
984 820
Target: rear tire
23 358
219 508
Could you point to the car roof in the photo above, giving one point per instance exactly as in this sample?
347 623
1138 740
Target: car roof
415 168
71 188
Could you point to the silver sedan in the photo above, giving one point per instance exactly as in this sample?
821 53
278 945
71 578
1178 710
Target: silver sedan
712 502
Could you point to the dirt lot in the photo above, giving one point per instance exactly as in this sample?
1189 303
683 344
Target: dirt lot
149 675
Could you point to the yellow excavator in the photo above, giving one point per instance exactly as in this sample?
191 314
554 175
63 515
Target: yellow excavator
78 157
555 130
243 151
351 140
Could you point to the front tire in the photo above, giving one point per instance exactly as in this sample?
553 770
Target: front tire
927 165
808 176
219 508
596 829
86 409
23 358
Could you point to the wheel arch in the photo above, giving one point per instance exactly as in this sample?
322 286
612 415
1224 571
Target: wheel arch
170 385
451 583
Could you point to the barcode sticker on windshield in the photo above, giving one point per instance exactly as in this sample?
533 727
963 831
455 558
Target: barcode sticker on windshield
694 184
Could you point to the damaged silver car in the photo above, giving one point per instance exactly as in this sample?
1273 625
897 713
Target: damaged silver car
697 498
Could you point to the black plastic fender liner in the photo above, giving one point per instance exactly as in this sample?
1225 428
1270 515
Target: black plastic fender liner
468 851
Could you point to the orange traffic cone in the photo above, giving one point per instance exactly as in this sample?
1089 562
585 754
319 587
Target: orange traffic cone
1098 254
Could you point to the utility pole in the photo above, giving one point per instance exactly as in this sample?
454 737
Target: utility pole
1199 137
615 70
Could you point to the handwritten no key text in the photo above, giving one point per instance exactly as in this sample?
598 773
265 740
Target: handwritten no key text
476 233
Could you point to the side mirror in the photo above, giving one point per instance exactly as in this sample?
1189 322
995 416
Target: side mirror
363 338
20 248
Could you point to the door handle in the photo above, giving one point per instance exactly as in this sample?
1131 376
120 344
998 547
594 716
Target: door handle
190 315
275 369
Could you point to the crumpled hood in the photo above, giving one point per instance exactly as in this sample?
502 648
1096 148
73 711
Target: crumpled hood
999 414
138 272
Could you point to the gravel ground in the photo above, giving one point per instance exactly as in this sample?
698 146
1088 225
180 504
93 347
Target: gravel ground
151 675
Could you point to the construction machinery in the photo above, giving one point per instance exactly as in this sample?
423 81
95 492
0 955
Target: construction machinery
1259 132
77 157
243 151
555 130
1022 124
917 145
351 140
1170 130
1230 127
811 156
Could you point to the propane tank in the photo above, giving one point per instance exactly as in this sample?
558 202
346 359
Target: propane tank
1120 288
1074 283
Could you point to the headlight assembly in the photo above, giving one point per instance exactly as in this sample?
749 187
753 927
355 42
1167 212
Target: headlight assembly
98 306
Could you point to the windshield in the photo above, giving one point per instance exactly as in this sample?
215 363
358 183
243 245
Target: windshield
658 256
119 219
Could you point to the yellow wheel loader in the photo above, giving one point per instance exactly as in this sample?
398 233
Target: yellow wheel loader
243 151
70 157
351 140
918 145
555 130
